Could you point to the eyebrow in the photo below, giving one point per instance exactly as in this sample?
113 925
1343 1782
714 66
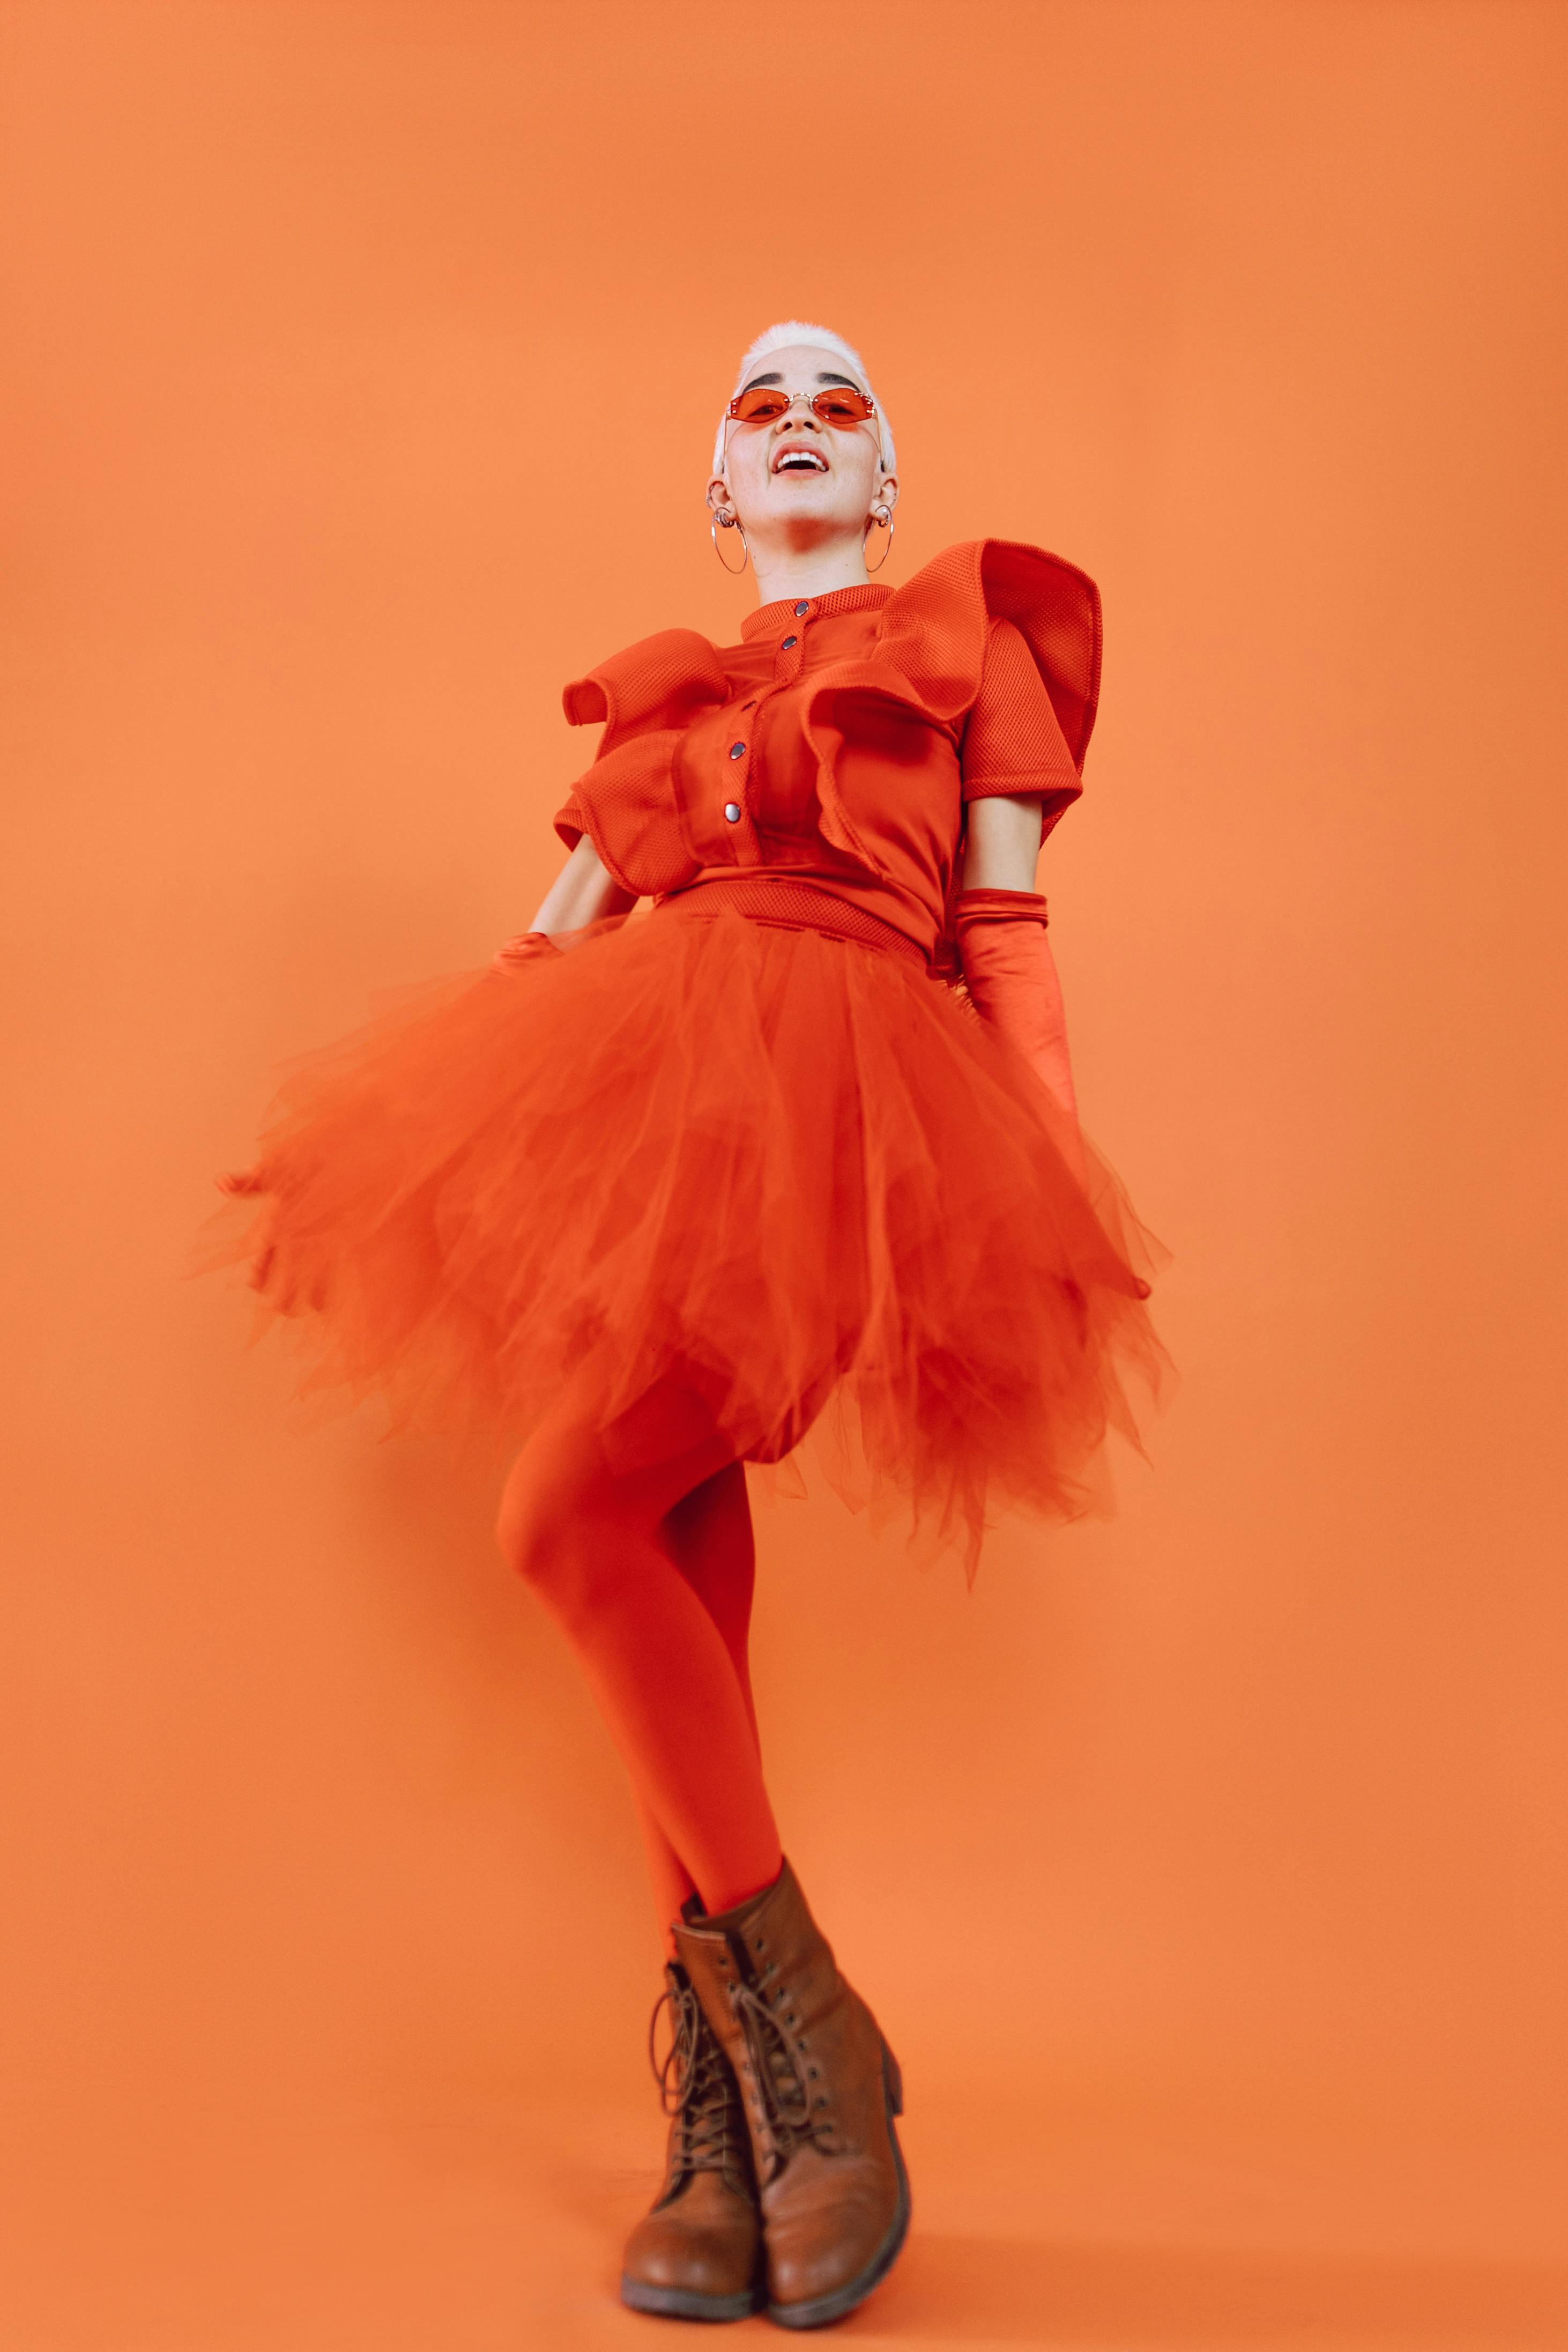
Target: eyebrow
776 378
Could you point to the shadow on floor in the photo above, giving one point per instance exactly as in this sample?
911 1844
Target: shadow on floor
957 2290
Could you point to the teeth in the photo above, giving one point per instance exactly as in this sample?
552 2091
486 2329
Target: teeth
798 458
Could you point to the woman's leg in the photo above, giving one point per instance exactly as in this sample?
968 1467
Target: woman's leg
709 1537
598 1547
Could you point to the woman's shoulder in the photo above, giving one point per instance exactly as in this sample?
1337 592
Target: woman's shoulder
936 626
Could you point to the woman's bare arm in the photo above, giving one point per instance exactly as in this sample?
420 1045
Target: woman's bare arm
1003 846
582 892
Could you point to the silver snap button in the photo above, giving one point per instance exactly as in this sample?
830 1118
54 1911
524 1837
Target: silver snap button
802 610
732 812
737 751
790 641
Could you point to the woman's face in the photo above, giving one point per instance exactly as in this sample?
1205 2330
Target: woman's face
797 478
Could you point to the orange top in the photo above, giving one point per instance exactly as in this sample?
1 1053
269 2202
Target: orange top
840 741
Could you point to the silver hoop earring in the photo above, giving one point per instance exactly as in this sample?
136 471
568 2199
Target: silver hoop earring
723 519
883 517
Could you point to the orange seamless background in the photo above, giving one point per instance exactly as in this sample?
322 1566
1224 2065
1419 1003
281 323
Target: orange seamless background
360 366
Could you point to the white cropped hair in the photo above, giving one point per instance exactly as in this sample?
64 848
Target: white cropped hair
802 330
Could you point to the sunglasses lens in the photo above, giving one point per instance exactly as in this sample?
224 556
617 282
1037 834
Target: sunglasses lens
842 407
759 406
764 403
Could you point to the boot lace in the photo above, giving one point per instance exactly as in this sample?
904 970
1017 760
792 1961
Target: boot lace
698 2091
797 2111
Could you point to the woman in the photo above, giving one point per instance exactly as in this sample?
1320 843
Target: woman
649 1194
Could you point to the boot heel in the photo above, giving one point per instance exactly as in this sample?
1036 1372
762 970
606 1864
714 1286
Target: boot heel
893 2075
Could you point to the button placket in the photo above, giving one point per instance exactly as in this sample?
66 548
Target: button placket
739 819
789 657
733 809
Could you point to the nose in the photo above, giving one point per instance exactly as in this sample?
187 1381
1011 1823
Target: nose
808 417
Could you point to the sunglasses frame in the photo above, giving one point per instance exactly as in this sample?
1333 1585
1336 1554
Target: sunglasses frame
811 398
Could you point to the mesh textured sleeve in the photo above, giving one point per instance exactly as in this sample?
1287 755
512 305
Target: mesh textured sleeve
1012 742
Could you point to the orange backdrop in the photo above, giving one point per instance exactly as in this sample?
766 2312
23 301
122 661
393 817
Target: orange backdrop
360 364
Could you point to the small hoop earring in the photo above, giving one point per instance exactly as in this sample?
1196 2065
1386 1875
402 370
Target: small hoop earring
884 519
723 518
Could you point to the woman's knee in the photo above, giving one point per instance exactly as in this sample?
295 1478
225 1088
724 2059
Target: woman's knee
573 1529
555 1530
536 1508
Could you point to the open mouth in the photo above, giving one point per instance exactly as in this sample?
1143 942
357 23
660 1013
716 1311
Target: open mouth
797 458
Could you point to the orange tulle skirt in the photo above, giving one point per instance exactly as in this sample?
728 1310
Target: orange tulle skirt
766 1167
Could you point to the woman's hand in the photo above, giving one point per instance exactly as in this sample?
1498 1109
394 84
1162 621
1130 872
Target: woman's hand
1010 975
1009 968
528 946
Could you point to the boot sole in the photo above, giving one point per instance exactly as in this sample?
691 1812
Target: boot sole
680 2302
824 2309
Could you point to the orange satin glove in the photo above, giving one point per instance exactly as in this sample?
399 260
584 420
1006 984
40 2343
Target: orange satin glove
528 947
1010 975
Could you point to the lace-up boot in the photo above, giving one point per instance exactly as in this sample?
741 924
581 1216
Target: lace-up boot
696 2253
821 2089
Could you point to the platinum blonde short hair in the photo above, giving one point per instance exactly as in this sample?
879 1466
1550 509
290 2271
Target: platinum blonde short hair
801 331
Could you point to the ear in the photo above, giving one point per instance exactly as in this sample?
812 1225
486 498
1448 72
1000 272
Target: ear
887 490
718 494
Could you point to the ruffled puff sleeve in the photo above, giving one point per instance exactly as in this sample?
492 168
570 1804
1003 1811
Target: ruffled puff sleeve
1012 742
626 802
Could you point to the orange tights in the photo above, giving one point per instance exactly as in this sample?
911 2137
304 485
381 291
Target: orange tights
649 1574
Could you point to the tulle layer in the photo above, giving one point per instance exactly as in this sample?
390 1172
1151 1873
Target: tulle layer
756 1164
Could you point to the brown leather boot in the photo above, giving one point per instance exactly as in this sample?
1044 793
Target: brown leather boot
696 2254
821 2090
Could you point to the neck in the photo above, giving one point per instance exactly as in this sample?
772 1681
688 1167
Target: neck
785 573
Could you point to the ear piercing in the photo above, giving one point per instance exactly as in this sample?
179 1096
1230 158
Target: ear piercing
726 518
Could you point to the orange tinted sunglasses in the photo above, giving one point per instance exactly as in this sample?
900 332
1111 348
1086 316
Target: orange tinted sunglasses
837 404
